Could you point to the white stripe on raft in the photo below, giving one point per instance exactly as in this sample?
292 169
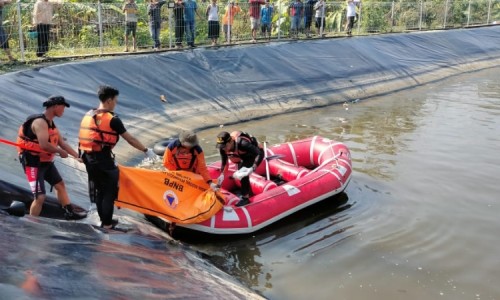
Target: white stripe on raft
270 221
335 174
212 221
247 215
311 149
329 148
294 156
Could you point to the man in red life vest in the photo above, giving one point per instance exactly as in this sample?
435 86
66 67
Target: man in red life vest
243 150
100 131
39 141
185 154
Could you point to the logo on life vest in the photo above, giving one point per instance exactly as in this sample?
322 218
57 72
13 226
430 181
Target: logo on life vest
170 198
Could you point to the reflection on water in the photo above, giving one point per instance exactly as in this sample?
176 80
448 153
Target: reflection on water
310 231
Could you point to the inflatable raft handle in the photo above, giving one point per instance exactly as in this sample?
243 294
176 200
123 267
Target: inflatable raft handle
159 147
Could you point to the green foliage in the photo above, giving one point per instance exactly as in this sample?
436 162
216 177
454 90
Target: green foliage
375 16
76 22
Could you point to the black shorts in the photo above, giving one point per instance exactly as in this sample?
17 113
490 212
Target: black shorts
4 39
265 28
213 29
318 23
131 27
39 172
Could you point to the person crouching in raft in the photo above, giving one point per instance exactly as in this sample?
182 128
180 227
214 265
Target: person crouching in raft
243 150
185 154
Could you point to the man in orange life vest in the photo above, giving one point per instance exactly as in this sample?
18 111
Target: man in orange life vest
242 149
100 131
38 142
185 154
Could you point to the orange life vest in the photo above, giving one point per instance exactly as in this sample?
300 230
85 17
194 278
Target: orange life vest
96 132
237 136
28 141
184 160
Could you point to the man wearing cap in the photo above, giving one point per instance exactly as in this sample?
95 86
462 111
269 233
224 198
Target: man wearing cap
242 149
100 131
185 154
38 142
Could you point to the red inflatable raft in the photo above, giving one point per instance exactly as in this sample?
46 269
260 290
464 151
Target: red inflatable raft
300 173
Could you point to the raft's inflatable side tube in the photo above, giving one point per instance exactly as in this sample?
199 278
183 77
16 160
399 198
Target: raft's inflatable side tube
16 201
16 208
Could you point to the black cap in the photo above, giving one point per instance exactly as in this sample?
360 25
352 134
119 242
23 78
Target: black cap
222 139
55 100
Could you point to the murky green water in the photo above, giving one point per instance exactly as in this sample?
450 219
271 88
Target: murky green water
420 217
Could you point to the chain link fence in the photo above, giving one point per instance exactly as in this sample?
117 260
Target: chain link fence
82 29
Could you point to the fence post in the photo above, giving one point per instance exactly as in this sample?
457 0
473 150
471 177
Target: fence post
99 19
170 13
489 13
445 14
421 15
229 23
322 18
360 16
468 15
392 15
279 19
21 37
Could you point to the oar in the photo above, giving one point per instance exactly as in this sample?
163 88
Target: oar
267 161
274 156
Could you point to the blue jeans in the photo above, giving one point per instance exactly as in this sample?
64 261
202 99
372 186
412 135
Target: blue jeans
295 26
189 26
154 29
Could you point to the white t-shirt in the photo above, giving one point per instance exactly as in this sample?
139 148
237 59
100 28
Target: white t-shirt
320 9
351 9
213 13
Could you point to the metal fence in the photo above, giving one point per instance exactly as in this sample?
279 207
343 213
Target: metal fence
80 29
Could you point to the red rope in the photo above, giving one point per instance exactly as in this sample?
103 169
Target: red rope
10 143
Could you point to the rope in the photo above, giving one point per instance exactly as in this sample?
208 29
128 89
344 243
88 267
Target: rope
13 144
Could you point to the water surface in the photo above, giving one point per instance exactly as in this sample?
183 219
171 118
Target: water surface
419 219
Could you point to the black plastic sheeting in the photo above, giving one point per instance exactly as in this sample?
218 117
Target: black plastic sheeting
202 88
208 87
50 259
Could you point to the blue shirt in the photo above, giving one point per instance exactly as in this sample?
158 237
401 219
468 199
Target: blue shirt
266 15
189 10
297 8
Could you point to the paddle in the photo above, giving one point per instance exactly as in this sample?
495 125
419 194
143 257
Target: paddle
267 161
274 156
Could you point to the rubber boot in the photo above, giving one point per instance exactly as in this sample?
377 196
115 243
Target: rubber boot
71 214
244 201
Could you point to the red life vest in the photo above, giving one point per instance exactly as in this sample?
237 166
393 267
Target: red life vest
96 132
28 141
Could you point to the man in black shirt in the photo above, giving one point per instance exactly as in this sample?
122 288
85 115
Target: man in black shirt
100 131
